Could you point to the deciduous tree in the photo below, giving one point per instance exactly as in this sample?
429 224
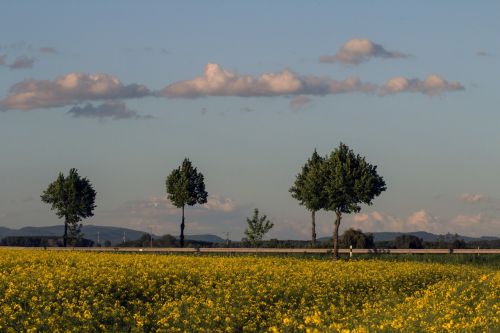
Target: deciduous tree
349 182
308 189
185 186
258 226
73 198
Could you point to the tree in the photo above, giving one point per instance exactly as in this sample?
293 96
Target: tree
258 226
349 182
357 239
408 242
73 198
308 189
185 186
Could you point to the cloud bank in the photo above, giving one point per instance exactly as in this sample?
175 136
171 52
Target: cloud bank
72 88
218 215
115 110
474 198
358 50
432 85
217 81
22 62
421 220
218 203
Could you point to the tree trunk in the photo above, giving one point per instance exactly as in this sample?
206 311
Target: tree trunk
336 235
182 228
65 238
313 219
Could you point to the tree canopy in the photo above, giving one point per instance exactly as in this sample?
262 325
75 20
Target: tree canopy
186 186
72 198
357 239
349 182
308 188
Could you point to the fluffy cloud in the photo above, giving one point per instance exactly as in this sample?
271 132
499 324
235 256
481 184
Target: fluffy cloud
476 225
468 225
22 62
299 101
110 109
69 89
217 81
376 222
218 203
474 198
432 85
358 50
219 215
48 49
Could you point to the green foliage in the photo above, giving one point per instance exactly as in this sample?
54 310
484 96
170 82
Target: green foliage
186 186
308 185
357 239
408 242
72 198
340 182
350 181
258 226
308 188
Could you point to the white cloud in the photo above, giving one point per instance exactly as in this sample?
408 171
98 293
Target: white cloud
299 102
219 215
421 220
68 89
362 217
474 198
111 109
217 81
219 203
377 222
22 62
467 220
358 50
432 85
476 225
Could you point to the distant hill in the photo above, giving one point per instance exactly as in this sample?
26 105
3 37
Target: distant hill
205 238
426 236
113 234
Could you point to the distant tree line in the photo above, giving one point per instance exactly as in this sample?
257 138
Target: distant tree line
354 237
43 241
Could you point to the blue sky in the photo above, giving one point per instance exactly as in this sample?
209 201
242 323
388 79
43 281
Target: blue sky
123 91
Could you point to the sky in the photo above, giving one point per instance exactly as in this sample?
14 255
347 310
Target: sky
125 90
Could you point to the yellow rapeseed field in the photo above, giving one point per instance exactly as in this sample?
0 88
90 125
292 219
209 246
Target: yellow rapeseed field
60 291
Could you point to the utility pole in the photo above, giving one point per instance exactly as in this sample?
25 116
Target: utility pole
227 238
124 239
98 239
